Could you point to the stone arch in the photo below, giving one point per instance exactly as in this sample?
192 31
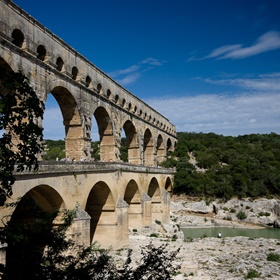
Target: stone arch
88 81
75 73
168 185
101 208
7 62
41 52
39 203
169 146
132 143
116 99
160 149
148 148
60 64
72 122
155 194
133 199
18 38
106 135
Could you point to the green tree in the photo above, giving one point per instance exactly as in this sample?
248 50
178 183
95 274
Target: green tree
20 109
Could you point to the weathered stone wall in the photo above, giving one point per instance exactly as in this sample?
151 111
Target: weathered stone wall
111 197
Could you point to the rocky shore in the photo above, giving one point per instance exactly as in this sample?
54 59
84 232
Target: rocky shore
210 257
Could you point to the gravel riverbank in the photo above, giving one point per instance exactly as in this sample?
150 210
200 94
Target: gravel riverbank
215 258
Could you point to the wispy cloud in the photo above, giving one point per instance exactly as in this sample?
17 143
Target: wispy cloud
235 115
131 74
254 110
265 82
267 42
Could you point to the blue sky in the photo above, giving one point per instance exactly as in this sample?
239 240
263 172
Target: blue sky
208 66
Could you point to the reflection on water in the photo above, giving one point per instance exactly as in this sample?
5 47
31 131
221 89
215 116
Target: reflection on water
231 232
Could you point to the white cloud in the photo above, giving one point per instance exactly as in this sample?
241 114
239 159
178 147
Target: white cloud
265 82
132 73
267 42
222 115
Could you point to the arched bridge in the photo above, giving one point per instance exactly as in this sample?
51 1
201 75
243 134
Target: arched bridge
112 195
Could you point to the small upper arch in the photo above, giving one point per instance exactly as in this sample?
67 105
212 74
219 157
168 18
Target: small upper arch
18 38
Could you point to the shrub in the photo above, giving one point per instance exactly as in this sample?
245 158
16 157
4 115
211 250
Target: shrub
273 257
158 222
252 273
241 215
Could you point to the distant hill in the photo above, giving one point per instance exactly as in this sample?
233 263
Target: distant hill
208 164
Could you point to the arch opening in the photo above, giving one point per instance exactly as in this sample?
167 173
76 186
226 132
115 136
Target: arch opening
63 101
129 150
33 219
101 208
18 38
133 199
106 135
160 150
60 64
148 149
155 195
41 52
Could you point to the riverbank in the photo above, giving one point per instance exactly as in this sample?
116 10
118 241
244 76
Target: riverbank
210 257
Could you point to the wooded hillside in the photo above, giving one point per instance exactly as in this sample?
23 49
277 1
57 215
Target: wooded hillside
226 166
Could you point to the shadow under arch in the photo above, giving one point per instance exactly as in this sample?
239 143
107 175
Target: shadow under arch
101 208
29 230
132 143
168 185
133 199
155 194
72 122
106 135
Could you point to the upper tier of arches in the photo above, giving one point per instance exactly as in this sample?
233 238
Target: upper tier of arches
84 94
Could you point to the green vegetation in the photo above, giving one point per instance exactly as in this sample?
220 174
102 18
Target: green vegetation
20 109
54 149
252 273
241 215
243 166
274 257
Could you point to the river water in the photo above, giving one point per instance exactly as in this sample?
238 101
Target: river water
231 232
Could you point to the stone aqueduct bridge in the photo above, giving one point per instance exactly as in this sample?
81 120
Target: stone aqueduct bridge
112 195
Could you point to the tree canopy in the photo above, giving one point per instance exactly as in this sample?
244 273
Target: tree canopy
226 166
20 110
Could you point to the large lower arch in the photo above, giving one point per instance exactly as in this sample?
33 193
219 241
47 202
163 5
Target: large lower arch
101 208
105 129
31 224
74 137
132 143
155 195
133 199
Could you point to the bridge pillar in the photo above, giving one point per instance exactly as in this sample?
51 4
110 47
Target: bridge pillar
165 206
146 210
81 227
122 234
